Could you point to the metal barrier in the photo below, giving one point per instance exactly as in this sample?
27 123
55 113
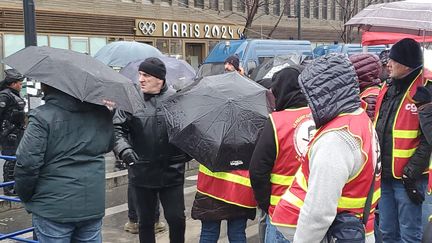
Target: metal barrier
13 235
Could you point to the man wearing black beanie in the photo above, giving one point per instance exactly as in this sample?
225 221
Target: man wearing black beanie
156 167
405 152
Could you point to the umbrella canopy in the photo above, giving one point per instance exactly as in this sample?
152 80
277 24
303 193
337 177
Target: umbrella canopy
410 17
383 38
179 73
273 65
217 120
120 53
78 75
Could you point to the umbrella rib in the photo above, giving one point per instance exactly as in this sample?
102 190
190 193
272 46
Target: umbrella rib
35 65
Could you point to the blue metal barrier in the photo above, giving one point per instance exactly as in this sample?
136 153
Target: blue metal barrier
13 235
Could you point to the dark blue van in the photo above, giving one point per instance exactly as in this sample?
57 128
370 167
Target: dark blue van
252 52
348 49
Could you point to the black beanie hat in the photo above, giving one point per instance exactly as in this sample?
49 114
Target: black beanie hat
154 67
407 52
233 60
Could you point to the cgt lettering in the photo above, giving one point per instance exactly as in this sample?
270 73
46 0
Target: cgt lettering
411 107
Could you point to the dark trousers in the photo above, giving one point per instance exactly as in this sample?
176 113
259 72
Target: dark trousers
132 214
172 200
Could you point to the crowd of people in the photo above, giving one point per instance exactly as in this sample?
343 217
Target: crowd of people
343 157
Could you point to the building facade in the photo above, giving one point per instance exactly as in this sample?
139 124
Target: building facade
187 29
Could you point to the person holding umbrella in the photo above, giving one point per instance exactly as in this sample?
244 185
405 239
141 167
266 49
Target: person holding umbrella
11 122
282 142
60 168
405 150
156 167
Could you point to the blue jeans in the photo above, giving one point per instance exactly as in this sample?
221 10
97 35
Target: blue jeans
273 235
426 209
49 231
210 231
400 218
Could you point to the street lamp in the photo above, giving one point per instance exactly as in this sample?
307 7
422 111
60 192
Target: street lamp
29 23
298 20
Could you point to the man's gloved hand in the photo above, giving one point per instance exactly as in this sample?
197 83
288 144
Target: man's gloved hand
411 189
422 96
129 157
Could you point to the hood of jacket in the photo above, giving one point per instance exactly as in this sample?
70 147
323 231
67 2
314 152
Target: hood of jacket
330 86
69 103
368 69
286 89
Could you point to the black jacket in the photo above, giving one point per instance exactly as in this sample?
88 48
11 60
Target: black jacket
287 93
160 163
390 103
11 120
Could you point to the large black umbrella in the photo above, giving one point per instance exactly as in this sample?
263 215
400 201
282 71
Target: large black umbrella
179 73
217 120
78 75
273 65
120 53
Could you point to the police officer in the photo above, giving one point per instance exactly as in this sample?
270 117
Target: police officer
11 122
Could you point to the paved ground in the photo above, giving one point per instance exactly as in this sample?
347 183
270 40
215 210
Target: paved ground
116 216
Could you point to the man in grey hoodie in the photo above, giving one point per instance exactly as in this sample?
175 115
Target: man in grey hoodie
338 168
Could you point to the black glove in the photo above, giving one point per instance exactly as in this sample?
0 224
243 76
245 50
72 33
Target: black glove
129 157
411 189
422 96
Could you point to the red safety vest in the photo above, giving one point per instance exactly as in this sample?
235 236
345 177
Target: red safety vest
406 127
356 189
231 187
371 91
292 130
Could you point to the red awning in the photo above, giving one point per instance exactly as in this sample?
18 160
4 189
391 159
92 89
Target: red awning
382 38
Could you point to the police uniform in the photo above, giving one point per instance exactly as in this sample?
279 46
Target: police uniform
12 118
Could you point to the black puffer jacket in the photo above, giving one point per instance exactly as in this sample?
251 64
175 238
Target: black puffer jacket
330 87
160 163
419 161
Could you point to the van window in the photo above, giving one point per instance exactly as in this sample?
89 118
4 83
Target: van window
263 59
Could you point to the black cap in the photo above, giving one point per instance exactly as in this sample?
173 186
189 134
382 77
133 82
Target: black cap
154 67
407 52
233 60
12 75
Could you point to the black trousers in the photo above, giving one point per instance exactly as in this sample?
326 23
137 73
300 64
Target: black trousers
132 214
172 200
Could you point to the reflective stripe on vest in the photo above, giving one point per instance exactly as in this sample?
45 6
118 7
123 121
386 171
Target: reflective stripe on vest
406 127
287 124
356 189
231 187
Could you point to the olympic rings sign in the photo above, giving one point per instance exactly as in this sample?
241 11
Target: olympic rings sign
147 27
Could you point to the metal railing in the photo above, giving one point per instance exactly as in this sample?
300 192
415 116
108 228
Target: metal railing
13 235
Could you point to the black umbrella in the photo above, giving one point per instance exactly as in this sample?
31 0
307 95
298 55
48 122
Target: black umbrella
217 120
78 75
179 73
273 65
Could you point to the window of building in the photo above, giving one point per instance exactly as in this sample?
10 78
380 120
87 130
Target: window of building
163 45
362 4
166 3
214 4
79 44
58 41
306 9
333 10
183 3
42 40
287 8
265 7
276 7
96 43
315 9
176 48
228 5
324 9
199 3
13 43
241 6
342 10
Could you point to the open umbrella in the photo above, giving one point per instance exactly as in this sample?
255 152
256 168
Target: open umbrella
410 17
78 75
266 70
120 53
179 73
217 120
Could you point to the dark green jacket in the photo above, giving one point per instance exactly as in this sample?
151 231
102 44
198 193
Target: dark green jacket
60 169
